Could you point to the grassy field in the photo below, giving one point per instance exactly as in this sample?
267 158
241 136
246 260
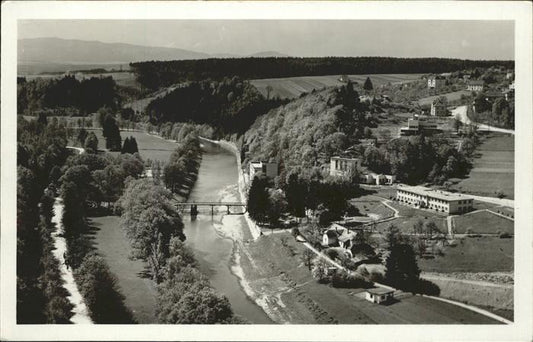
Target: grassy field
371 206
493 170
483 254
292 87
275 271
496 299
483 222
150 147
112 244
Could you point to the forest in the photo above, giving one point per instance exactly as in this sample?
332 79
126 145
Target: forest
231 105
66 95
157 74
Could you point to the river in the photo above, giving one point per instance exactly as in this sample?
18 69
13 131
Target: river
213 238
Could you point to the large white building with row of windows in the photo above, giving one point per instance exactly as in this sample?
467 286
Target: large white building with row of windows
422 197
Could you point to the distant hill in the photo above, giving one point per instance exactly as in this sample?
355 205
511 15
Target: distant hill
268 54
38 55
69 51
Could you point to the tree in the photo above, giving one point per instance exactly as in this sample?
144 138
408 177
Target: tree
307 257
111 133
295 192
320 270
91 143
269 90
258 199
457 124
276 206
368 84
402 269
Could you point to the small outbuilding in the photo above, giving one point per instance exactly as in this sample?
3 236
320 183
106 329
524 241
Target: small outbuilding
379 295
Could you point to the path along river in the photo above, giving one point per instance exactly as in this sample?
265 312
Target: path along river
213 238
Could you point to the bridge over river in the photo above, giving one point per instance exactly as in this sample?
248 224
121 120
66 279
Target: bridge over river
192 207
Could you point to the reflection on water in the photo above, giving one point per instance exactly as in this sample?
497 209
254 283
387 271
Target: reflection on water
217 181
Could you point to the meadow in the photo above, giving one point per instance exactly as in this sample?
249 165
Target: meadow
150 146
292 87
473 254
138 289
483 222
493 170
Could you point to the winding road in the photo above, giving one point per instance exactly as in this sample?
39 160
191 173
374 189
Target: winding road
460 113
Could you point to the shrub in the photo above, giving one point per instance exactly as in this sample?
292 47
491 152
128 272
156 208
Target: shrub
505 236
295 232
332 253
320 271
426 287
344 279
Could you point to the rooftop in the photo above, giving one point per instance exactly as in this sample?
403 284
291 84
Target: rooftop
476 82
344 158
379 291
442 195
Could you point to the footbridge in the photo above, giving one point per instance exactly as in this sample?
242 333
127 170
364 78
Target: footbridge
194 208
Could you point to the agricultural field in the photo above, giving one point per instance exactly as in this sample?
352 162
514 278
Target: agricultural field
483 222
493 170
371 206
150 146
138 290
473 254
292 87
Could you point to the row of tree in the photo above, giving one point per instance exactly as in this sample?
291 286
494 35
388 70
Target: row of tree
494 111
179 174
41 297
156 74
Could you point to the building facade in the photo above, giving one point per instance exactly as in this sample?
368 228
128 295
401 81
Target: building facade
422 197
268 169
415 125
438 109
475 86
435 82
343 166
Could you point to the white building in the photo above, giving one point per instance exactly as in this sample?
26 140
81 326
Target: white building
268 169
438 108
343 166
379 295
435 82
422 197
377 179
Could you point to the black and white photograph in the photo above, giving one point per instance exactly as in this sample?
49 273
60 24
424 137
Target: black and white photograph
260 171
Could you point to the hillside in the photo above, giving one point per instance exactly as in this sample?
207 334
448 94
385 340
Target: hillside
304 134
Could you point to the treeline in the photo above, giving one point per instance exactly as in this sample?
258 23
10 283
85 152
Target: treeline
66 95
231 105
156 74
41 298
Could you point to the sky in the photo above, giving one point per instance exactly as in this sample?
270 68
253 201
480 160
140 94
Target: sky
300 38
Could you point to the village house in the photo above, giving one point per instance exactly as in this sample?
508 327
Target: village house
338 236
436 82
268 169
343 166
511 86
509 75
508 94
475 85
368 142
422 197
379 295
438 108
